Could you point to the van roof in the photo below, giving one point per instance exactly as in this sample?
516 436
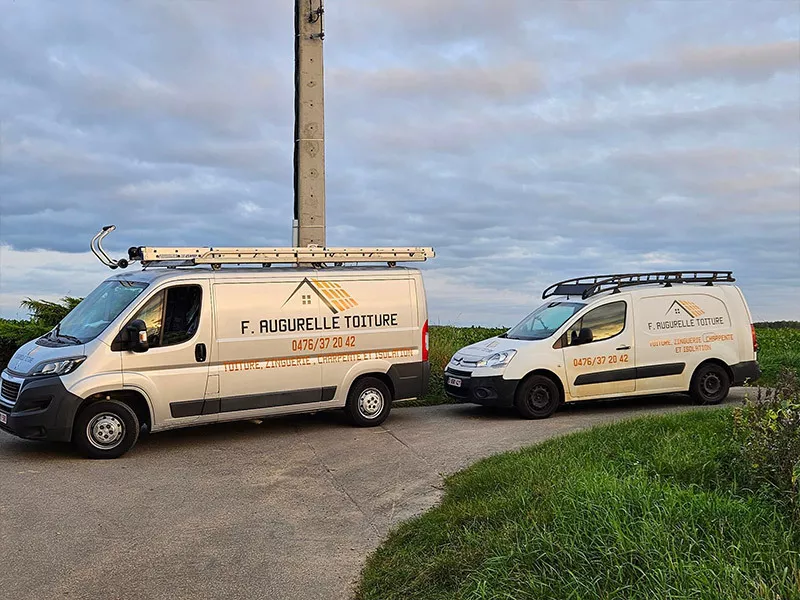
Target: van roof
201 272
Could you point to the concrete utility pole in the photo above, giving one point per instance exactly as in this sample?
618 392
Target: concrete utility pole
309 126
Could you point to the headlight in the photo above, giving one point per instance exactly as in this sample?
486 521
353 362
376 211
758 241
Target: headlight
500 359
58 367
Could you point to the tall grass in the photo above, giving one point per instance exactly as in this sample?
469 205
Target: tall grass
779 348
651 508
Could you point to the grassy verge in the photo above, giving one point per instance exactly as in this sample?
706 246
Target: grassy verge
650 508
779 347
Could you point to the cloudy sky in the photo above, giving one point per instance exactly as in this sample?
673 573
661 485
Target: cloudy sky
526 141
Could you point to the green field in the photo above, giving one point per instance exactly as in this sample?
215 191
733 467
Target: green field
779 347
651 508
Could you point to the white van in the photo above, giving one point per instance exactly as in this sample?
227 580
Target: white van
174 347
610 336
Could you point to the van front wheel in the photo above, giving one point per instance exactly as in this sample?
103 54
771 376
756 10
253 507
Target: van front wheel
710 384
537 398
106 429
369 402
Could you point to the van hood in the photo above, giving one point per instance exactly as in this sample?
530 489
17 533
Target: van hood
475 352
32 354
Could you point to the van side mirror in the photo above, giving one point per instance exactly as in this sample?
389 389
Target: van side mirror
585 336
137 336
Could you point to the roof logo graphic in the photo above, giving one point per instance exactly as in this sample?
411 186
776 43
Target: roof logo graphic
332 295
690 308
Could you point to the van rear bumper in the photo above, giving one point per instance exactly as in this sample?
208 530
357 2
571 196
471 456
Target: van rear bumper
410 380
744 372
44 410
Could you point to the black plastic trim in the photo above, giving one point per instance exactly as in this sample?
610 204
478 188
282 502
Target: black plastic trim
606 376
192 408
647 372
487 391
664 370
44 410
275 399
410 380
745 372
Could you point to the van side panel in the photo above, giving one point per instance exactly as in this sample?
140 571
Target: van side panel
677 332
380 331
269 334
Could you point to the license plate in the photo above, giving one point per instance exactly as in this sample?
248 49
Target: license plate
3 417
454 381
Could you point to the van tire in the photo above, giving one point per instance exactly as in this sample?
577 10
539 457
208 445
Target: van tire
710 384
537 397
368 402
106 429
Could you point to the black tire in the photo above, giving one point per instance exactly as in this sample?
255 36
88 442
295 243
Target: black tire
710 384
537 397
369 402
106 429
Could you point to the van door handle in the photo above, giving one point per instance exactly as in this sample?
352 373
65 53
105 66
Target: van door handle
623 347
200 352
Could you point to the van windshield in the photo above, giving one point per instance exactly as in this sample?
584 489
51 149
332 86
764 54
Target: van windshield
96 312
544 321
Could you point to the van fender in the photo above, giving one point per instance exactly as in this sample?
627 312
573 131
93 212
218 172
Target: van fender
108 383
377 367
136 382
520 371
96 384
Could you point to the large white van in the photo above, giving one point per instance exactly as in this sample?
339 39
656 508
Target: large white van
610 336
174 347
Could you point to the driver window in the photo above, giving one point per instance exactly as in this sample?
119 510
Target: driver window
605 322
152 314
174 321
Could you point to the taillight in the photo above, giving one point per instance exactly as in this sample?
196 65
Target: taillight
425 342
755 338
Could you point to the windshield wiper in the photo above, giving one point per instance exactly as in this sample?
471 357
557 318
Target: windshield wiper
70 338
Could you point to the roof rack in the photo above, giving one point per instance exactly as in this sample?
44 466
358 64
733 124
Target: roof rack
594 284
216 257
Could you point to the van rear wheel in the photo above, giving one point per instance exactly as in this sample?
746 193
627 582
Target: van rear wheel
369 402
106 429
537 398
710 384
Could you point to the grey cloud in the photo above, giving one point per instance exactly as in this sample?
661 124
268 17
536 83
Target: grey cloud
467 125
749 63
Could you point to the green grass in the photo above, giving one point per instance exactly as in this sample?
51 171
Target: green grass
779 347
649 508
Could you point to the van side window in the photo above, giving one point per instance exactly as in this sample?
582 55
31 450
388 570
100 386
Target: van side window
604 321
175 320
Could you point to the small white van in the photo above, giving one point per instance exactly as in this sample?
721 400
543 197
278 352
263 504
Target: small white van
610 336
173 347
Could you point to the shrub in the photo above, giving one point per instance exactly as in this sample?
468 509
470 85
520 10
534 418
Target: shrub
768 428
44 315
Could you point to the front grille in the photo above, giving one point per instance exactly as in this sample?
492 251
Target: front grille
458 373
9 391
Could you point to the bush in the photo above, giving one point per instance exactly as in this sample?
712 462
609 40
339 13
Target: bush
768 427
44 316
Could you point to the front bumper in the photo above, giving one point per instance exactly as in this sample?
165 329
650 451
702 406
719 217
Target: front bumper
487 391
44 410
